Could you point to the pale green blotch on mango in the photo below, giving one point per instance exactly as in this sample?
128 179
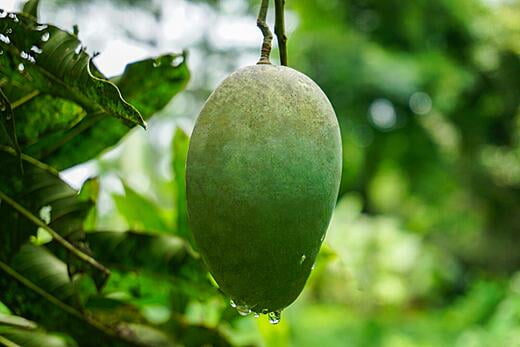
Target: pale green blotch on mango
263 174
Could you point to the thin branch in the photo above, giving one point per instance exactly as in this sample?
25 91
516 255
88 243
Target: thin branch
261 22
56 302
62 241
279 30
25 99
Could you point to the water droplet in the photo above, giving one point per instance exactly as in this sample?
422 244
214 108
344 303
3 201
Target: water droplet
45 37
243 310
313 267
36 49
21 67
275 317
303 259
13 17
1 52
156 63
256 315
9 31
177 61
5 39
232 303
45 214
42 27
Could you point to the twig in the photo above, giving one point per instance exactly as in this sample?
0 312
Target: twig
25 99
62 241
279 29
261 22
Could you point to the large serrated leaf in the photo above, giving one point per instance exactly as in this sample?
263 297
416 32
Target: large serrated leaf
52 61
149 84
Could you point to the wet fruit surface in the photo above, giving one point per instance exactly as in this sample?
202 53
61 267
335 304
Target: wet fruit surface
263 174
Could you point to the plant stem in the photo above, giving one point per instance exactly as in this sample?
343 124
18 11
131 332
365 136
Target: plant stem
25 99
261 22
62 241
279 30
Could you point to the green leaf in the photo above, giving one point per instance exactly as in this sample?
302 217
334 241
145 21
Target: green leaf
46 271
33 338
7 121
31 8
37 303
155 253
38 189
52 61
15 321
150 84
150 88
180 153
140 212
37 200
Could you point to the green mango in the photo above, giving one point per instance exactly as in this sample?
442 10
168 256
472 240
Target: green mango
263 173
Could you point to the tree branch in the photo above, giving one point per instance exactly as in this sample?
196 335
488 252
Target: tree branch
261 22
279 30
60 239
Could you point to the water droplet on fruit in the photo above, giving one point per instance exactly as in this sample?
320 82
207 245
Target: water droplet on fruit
46 36
232 303
275 317
21 67
303 259
243 310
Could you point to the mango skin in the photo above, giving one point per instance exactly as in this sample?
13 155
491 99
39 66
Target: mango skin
263 173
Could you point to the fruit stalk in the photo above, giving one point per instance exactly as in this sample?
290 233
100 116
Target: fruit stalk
279 30
261 22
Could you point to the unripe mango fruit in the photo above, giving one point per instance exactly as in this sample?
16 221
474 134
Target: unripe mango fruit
263 173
